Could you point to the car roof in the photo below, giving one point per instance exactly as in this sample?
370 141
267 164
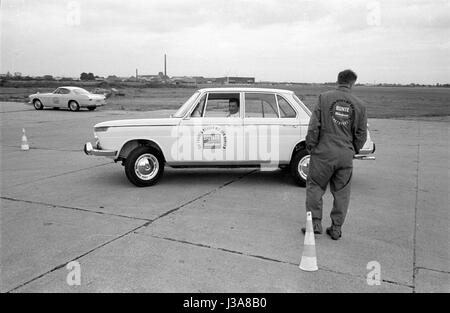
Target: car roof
70 87
245 89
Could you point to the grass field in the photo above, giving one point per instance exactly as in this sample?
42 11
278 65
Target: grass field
382 102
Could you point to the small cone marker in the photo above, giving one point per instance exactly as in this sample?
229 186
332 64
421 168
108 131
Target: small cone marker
309 259
24 145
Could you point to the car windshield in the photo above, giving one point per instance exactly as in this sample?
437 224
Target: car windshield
186 106
80 91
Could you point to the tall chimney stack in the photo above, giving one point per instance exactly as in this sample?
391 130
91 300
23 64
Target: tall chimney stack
165 66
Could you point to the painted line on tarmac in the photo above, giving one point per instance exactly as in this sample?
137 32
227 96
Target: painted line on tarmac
204 195
47 149
431 270
75 209
260 257
201 245
57 175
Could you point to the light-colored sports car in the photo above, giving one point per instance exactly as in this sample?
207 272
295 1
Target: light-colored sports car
216 127
73 98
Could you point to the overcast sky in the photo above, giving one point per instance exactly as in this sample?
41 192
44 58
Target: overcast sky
397 41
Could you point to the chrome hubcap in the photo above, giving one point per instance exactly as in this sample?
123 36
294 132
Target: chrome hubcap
146 166
303 166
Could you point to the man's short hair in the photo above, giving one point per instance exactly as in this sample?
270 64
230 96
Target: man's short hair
347 77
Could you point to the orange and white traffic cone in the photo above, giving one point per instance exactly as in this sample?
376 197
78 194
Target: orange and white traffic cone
24 145
309 259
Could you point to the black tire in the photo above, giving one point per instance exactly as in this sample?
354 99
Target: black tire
38 104
299 177
91 108
73 106
142 154
55 108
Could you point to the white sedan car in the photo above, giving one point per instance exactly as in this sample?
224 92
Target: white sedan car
73 98
216 127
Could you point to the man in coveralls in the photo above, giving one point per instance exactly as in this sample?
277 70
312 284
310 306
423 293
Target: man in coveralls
337 131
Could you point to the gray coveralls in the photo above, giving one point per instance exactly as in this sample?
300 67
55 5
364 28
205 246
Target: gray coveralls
337 131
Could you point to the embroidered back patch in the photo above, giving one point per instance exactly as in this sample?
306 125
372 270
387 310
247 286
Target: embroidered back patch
341 112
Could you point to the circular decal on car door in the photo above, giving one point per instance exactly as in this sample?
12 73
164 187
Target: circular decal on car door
212 137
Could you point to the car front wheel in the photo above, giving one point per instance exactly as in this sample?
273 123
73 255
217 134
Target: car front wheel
144 166
300 167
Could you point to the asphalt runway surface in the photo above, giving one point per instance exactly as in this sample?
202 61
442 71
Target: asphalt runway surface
214 230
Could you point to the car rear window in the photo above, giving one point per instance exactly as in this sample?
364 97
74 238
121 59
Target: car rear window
260 105
286 111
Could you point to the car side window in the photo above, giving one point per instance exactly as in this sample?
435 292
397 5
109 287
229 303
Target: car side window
199 108
57 91
64 91
222 105
286 111
260 105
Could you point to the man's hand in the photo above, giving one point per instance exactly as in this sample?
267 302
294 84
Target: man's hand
309 148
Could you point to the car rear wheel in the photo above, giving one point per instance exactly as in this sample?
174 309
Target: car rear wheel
38 104
73 106
144 166
300 167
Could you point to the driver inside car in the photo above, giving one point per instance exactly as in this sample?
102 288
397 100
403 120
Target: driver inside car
233 108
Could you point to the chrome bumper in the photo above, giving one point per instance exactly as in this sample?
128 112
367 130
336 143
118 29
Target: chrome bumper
366 154
89 150
364 157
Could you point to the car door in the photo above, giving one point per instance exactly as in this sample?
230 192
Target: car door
261 128
293 125
221 133
64 95
55 98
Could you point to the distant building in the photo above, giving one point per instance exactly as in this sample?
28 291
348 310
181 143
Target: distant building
235 80
200 79
150 78
131 79
113 78
183 80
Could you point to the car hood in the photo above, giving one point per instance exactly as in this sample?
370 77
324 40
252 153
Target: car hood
41 94
140 122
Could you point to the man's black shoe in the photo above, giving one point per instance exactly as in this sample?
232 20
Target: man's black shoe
334 232
317 227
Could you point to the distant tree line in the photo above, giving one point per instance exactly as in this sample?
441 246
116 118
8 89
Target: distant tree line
87 76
